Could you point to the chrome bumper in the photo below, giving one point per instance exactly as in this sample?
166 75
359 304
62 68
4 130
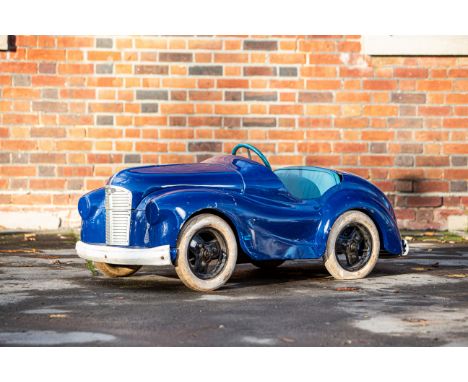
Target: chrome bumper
124 255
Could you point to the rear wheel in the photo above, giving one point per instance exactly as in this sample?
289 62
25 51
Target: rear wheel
206 253
113 270
353 246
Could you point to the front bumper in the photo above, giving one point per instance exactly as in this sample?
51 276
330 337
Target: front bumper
124 255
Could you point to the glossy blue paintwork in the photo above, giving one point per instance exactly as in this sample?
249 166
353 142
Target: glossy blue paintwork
269 222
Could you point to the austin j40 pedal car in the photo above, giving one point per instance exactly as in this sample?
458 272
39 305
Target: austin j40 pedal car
204 218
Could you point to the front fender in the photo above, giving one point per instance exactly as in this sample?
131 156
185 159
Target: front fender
175 208
93 215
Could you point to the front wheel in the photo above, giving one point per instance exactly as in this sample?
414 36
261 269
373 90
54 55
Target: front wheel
206 253
353 246
112 270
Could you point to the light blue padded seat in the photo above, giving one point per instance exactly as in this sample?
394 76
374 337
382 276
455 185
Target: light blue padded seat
307 182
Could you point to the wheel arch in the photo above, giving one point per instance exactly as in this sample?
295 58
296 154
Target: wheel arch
389 235
369 203
242 256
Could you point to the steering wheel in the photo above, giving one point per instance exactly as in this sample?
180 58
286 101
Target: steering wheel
249 149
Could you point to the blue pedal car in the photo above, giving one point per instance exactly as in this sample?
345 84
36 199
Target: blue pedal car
204 218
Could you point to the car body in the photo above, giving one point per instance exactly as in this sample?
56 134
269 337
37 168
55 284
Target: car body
287 214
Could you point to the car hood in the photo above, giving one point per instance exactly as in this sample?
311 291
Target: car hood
142 181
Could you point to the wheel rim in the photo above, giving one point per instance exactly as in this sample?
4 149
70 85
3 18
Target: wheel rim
353 247
207 253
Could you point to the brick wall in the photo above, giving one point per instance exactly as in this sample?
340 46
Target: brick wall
73 110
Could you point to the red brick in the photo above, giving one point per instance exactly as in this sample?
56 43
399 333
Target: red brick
323 160
23 93
376 160
18 67
434 85
102 55
177 108
288 58
20 119
7 170
355 72
46 54
457 98
75 42
461 85
286 84
315 122
78 145
47 184
286 109
458 73
76 68
349 46
314 45
151 43
323 84
259 71
434 110
411 72
231 57
353 97
350 147
431 186
324 59
205 95
50 132
78 93
405 214
379 84
231 109
380 110
454 173
461 110
456 122
455 148
106 107
432 161
205 121
208 44
424 201
318 71
105 81
314 147
232 83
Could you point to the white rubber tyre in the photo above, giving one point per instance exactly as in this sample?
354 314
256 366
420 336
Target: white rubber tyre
330 259
189 230
112 270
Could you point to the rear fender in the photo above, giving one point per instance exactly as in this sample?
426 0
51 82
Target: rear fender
367 201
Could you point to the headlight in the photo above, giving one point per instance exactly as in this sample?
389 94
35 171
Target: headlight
152 213
84 207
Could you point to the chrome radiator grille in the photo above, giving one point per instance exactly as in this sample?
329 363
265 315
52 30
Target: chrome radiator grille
118 209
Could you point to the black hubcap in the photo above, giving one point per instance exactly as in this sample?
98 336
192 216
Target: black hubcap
353 247
207 253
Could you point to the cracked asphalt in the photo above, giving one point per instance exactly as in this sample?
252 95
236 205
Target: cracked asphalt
49 297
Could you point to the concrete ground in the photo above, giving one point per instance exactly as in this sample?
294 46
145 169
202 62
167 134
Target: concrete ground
49 297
